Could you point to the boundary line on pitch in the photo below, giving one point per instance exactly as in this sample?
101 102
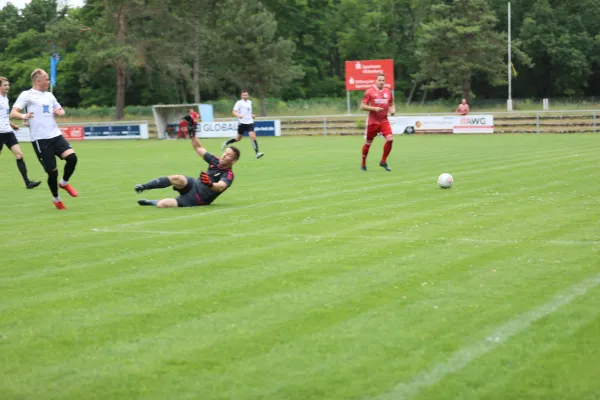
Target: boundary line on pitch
493 339
361 237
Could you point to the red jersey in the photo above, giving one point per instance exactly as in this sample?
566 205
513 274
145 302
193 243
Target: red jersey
378 98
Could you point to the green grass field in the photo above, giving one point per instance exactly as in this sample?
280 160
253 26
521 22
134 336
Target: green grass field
309 279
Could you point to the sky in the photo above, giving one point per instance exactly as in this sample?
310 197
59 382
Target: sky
21 3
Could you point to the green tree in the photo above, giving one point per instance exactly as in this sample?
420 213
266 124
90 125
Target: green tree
313 27
38 13
250 56
10 24
458 42
129 35
559 42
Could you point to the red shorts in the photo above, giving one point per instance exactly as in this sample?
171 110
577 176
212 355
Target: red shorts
373 129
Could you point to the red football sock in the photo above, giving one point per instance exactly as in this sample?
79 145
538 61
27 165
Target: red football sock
387 148
365 153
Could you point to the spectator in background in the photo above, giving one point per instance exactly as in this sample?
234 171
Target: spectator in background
183 129
463 108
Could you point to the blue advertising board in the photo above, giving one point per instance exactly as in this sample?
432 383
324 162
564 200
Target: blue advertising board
116 132
265 128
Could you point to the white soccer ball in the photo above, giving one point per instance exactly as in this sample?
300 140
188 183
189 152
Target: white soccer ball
445 180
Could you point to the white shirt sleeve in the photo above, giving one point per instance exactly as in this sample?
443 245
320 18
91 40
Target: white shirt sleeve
22 100
55 104
236 107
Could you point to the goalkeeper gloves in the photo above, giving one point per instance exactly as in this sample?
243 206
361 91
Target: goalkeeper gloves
205 179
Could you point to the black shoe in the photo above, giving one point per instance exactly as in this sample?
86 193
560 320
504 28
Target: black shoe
147 202
32 184
139 188
384 165
363 168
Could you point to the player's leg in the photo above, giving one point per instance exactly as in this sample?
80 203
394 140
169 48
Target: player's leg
190 195
240 133
252 136
63 149
179 182
167 203
45 154
16 149
182 184
371 132
386 131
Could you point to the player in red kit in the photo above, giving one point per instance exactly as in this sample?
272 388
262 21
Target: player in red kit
378 100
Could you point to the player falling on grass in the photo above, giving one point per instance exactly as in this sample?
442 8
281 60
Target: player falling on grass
192 191
243 111
47 139
7 134
378 100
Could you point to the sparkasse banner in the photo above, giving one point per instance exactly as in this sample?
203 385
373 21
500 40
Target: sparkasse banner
360 75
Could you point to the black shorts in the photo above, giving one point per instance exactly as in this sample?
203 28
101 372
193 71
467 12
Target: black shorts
191 195
242 128
47 149
8 138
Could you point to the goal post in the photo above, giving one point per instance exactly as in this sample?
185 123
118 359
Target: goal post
169 115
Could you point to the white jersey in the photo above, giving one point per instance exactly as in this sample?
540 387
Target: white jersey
244 108
41 104
4 114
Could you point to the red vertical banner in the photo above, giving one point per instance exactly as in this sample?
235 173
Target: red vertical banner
360 75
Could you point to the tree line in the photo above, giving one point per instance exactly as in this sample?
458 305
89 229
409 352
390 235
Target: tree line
142 52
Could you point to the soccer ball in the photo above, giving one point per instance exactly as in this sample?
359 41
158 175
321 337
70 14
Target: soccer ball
445 180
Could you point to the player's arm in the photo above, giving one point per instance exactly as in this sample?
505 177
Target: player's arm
367 107
219 186
201 151
57 109
364 105
17 113
215 187
13 126
392 107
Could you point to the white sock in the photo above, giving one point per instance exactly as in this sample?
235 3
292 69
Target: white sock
57 199
63 182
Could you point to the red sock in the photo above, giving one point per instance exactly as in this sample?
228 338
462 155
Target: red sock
387 148
365 153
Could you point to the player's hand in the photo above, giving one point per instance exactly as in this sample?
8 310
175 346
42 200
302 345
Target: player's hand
378 109
28 116
205 179
58 111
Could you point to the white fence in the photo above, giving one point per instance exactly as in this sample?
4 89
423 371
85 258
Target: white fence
556 121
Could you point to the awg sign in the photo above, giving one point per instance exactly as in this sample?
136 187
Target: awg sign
360 75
